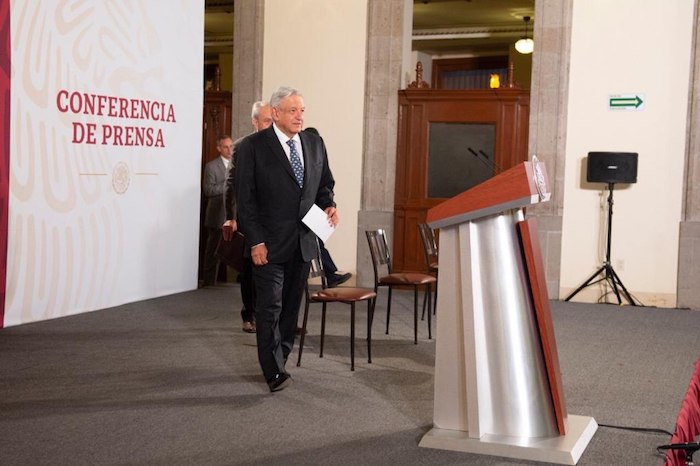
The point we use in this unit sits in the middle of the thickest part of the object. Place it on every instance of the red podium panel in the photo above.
(538, 286)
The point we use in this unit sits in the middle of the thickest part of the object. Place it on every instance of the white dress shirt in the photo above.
(283, 140)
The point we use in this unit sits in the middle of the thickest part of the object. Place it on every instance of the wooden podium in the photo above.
(498, 387)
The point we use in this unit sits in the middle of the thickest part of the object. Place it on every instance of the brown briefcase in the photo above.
(231, 252)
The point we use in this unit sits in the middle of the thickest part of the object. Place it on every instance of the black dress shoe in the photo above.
(337, 279)
(279, 382)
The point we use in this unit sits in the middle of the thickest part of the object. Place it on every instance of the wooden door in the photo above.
(217, 122)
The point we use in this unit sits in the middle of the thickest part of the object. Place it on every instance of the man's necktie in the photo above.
(296, 163)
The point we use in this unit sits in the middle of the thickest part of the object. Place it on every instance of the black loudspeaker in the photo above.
(612, 167)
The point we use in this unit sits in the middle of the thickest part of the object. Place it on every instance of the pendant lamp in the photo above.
(525, 45)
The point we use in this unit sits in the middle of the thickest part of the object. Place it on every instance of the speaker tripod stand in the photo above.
(606, 270)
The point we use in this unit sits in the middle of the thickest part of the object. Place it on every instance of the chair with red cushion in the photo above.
(430, 251)
(385, 276)
(340, 294)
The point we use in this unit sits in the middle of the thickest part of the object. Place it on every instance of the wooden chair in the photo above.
(384, 276)
(340, 294)
(430, 250)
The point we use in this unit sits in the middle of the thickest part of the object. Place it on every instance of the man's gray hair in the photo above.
(256, 109)
(282, 93)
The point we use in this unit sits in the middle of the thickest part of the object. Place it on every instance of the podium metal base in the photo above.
(565, 449)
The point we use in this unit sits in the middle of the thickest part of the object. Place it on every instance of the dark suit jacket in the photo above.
(230, 204)
(270, 202)
(213, 187)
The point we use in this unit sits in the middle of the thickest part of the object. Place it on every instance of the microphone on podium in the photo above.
(497, 168)
(486, 161)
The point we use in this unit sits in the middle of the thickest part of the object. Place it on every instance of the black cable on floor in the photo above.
(645, 429)
(639, 429)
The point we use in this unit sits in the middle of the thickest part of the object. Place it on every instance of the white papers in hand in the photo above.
(317, 220)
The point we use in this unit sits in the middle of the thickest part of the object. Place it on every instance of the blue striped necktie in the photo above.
(296, 163)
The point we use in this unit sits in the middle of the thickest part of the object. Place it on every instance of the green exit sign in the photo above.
(626, 101)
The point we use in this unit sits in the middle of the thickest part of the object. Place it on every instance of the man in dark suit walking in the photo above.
(281, 173)
(213, 186)
(261, 118)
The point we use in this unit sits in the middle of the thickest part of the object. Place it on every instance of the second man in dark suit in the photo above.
(261, 118)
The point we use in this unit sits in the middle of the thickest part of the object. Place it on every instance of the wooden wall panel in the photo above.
(216, 123)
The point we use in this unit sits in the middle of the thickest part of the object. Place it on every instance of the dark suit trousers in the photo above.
(278, 292)
(211, 262)
(328, 265)
(247, 291)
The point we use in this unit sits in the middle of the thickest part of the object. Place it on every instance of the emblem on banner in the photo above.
(120, 178)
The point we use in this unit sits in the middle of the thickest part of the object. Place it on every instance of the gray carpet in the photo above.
(174, 381)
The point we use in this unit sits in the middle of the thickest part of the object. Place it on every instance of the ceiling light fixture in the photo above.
(525, 45)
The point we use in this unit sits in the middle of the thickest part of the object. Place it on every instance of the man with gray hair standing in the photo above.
(261, 118)
(281, 173)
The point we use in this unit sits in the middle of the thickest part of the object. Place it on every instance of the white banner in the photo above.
(106, 112)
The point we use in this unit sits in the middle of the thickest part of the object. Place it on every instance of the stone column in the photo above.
(385, 25)
(548, 111)
(249, 25)
(688, 293)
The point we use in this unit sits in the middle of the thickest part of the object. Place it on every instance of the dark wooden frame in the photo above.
(508, 109)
